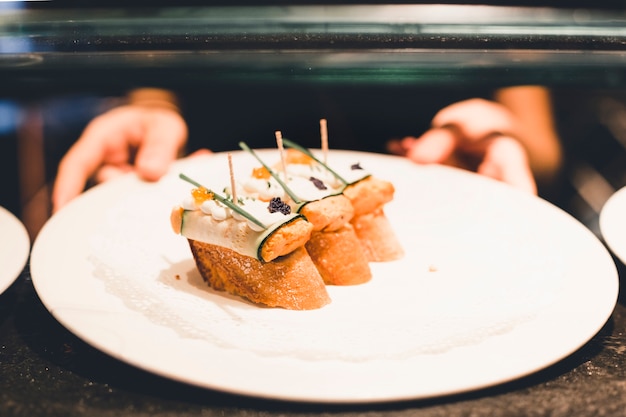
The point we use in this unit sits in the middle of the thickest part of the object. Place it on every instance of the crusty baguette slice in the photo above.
(369, 194)
(338, 256)
(328, 214)
(334, 245)
(377, 237)
(291, 281)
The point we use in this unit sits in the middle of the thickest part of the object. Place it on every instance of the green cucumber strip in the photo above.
(191, 221)
(271, 231)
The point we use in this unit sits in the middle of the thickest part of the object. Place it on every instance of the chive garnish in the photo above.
(291, 194)
(225, 201)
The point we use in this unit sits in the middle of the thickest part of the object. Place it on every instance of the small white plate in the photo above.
(496, 284)
(613, 223)
(14, 248)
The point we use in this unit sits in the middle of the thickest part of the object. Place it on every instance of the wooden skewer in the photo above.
(232, 178)
(324, 135)
(281, 150)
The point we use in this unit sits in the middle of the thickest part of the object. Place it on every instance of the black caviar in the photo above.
(276, 204)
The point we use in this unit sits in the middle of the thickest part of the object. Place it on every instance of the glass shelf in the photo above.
(372, 44)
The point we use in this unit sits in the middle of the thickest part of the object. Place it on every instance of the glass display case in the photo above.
(376, 71)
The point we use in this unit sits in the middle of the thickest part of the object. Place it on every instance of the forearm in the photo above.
(532, 106)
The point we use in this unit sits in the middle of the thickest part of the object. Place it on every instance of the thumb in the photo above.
(434, 147)
(506, 160)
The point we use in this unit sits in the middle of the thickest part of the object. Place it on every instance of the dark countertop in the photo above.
(46, 371)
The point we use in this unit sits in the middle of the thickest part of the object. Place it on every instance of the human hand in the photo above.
(475, 134)
(128, 138)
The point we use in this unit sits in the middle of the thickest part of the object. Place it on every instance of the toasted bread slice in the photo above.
(339, 257)
(328, 214)
(334, 245)
(291, 281)
(377, 237)
(369, 194)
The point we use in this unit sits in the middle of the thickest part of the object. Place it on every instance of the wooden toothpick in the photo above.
(281, 150)
(232, 178)
(324, 135)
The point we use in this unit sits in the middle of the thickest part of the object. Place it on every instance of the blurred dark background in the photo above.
(41, 117)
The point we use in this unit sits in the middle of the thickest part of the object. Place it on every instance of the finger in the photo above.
(506, 160)
(165, 136)
(76, 167)
(436, 146)
(66, 187)
(393, 146)
(400, 146)
(199, 153)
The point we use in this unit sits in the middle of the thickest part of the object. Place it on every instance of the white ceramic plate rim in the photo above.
(14, 248)
(64, 281)
(613, 223)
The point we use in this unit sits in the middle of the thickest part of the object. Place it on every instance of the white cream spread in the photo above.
(352, 173)
(301, 180)
(263, 189)
(220, 212)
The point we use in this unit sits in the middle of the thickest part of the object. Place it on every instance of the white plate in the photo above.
(496, 284)
(14, 248)
(613, 223)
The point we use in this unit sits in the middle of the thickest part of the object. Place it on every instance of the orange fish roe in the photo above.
(294, 156)
(260, 173)
(201, 195)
